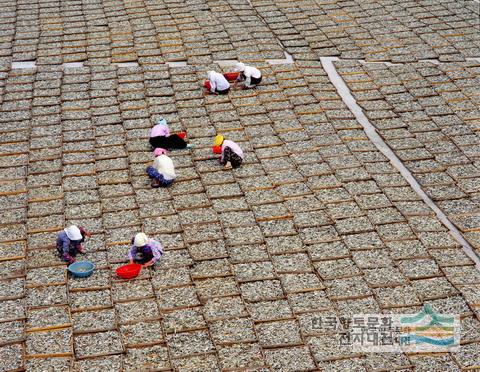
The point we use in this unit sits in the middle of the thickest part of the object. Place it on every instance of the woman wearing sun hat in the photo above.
(231, 152)
(249, 75)
(162, 171)
(69, 242)
(160, 137)
(218, 84)
(144, 251)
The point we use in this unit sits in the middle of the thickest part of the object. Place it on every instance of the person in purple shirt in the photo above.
(144, 251)
(160, 137)
(69, 243)
(231, 152)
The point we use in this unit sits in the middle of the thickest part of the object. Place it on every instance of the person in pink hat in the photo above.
(160, 137)
(162, 171)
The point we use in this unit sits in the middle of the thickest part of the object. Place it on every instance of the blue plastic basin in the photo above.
(81, 269)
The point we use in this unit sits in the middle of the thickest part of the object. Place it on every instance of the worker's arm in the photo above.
(131, 254)
(84, 232)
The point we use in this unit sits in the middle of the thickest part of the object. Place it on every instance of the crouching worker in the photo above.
(69, 243)
(145, 251)
(217, 83)
(160, 137)
(250, 76)
(162, 171)
(231, 152)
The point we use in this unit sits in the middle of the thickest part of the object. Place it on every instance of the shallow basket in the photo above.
(129, 271)
(231, 76)
(81, 269)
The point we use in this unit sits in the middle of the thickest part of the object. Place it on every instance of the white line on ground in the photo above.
(25, 64)
(72, 64)
(364, 62)
(127, 64)
(433, 61)
(288, 59)
(177, 64)
(226, 62)
(344, 92)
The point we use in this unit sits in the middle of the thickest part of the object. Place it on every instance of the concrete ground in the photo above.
(316, 225)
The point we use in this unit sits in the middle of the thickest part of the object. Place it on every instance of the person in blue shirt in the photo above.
(69, 243)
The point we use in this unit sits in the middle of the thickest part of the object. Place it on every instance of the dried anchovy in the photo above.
(142, 333)
(204, 362)
(241, 356)
(137, 310)
(11, 331)
(46, 275)
(47, 296)
(98, 344)
(108, 363)
(188, 343)
(99, 278)
(90, 299)
(49, 364)
(12, 288)
(281, 359)
(10, 251)
(51, 342)
(94, 320)
(12, 309)
(47, 317)
(132, 289)
(147, 358)
(11, 357)
(278, 333)
(183, 320)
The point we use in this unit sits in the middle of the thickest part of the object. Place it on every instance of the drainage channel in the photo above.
(232, 62)
(224, 63)
(349, 100)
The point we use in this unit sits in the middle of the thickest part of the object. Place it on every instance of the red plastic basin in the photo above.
(231, 76)
(182, 135)
(129, 271)
(207, 85)
(217, 149)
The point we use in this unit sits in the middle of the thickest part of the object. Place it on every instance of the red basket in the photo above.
(231, 76)
(207, 85)
(217, 149)
(182, 135)
(129, 271)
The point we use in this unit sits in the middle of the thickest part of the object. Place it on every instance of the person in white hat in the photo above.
(250, 76)
(144, 251)
(218, 83)
(162, 171)
(69, 242)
